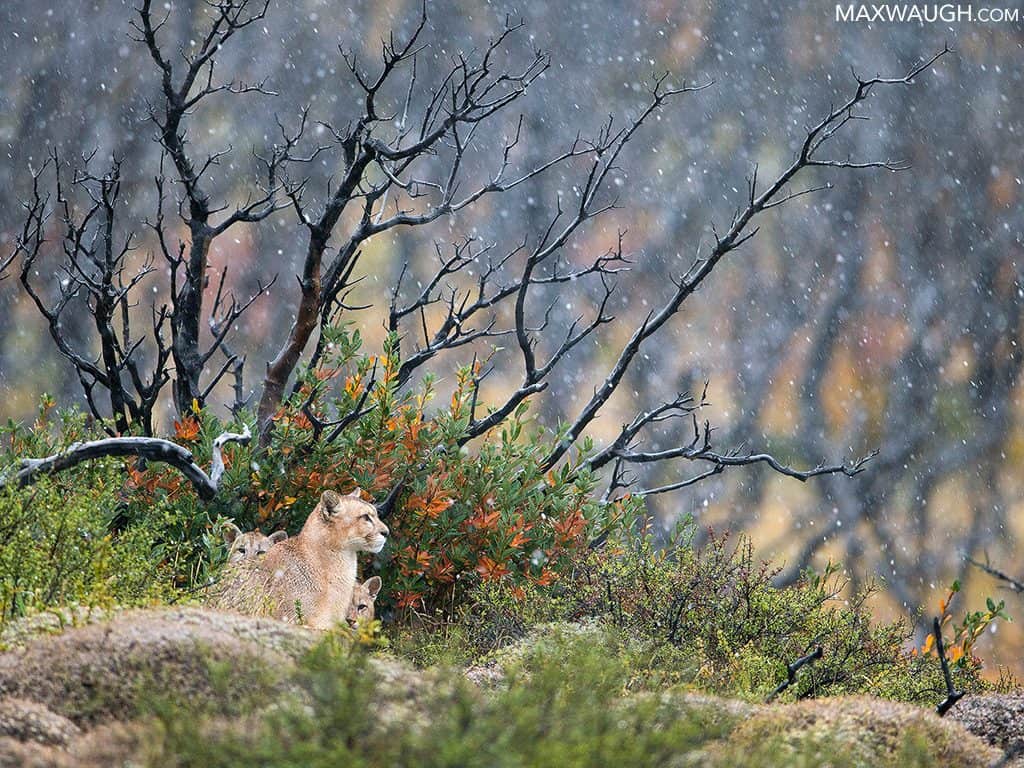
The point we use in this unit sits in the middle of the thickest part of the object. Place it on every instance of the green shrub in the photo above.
(65, 540)
(543, 718)
(710, 618)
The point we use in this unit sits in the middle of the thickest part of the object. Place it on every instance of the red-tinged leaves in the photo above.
(408, 599)
(442, 572)
(491, 570)
(431, 502)
(186, 430)
(569, 528)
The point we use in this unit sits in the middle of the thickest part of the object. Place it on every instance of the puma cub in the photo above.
(363, 598)
(309, 578)
(249, 544)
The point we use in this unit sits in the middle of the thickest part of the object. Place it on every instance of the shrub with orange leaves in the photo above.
(465, 512)
(959, 645)
(186, 430)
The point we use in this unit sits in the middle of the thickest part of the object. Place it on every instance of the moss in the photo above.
(112, 670)
(852, 731)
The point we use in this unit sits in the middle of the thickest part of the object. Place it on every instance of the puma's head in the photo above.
(345, 523)
(249, 544)
(363, 597)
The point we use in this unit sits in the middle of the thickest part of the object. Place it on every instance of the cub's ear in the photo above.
(373, 585)
(329, 504)
(357, 493)
(278, 536)
(231, 532)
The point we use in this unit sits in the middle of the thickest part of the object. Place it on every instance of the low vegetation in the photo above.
(553, 628)
(540, 716)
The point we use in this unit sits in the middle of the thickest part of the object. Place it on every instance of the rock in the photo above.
(18, 754)
(28, 721)
(79, 699)
(996, 718)
(97, 672)
(22, 631)
(490, 670)
(861, 731)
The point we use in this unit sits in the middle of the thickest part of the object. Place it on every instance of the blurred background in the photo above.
(884, 313)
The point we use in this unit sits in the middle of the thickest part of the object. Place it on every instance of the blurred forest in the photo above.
(883, 313)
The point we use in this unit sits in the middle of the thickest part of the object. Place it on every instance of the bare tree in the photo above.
(189, 260)
(402, 163)
(95, 270)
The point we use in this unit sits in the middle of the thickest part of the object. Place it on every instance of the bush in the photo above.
(66, 541)
(544, 718)
(485, 545)
(461, 518)
(710, 618)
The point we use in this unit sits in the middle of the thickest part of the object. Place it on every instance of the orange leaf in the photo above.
(187, 429)
(571, 527)
(928, 644)
(490, 570)
(442, 571)
(408, 599)
(546, 578)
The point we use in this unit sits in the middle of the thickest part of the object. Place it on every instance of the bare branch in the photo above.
(149, 448)
(95, 271)
(1015, 584)
(952, 694)
(793, 668)
(737, 234)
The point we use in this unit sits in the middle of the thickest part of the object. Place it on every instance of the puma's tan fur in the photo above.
(363, 598)
(249, 544)
(309, 578)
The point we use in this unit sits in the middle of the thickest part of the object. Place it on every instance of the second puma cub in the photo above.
(363, 598)
(310, 578)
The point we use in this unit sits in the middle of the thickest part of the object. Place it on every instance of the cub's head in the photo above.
(250, 544)
(363, 597)
(341, 523)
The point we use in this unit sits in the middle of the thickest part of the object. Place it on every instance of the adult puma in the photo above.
(309, 578)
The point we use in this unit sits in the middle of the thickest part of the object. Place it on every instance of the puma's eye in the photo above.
(362, 607)
(241, 550)
(366, 518)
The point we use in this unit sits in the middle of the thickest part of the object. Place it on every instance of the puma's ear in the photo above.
(330, 502)
(373, 585)
(231, 532)
(357, 493)
(278, 536)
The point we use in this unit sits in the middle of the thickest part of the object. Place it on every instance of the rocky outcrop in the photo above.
(996, 718)
(72, 699)
(79, 699)
(25, 720)
(98, 672)
(861, 731)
